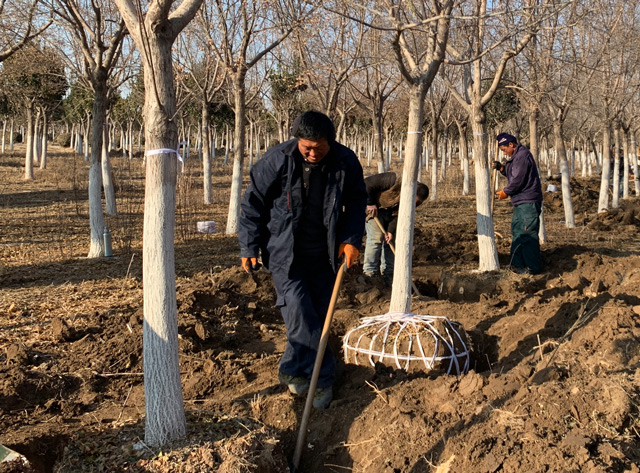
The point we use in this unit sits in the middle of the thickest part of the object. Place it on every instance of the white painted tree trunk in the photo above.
(28, 161)
(206, 155)
(238, 158)
(603, 199)
(165, 417)
(625, 164)
(487, 249)
(96, 214)
(433, 192)
(87, 140)
(11, 136)
(34, 140)
(43, 146)
(533, 137)
(402, 274)
(615, 200)
(130, 141)
(107, 181)
(564, 170)
(163, 391)
(464, 156)
(634, 163)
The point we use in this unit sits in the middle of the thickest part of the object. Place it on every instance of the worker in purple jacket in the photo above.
(523, 186)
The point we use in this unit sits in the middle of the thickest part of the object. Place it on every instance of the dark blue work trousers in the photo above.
(525, 245)
(303, 297)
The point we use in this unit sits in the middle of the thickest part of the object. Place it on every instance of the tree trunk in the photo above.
(165, 417)
(488, 252)
(43, 146)
(96, 215)
(615, 200)
(130, 142)
(625, 164)
(464, 156)
(378, 138)
(534, 117)
(433, 192)
(11, 136)
(401, 292)
(4, 133)
(603, 199)
(238, 154)
(561, 152)
(28, 161)
(107, 181)
(86, 140)
(34, 139)
(206, 155)
(634, 163)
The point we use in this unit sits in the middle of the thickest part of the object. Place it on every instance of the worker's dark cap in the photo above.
(505, 139)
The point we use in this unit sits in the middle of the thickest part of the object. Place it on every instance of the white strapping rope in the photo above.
(450, 347)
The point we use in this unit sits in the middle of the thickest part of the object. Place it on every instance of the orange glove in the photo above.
(250, 264)
(350, 253)
(501, 195)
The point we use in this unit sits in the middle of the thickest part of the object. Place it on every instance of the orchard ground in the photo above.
(554, 384)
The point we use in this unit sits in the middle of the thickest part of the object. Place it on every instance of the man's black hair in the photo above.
(422, 191)
(313, 125)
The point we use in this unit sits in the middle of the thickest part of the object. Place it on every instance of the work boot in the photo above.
(297, 386)
(322, 398)
(387, 279)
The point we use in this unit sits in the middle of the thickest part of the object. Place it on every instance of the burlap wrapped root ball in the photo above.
(410, 342)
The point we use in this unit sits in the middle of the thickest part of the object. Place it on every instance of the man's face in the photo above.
(313, 151)
(508, 149)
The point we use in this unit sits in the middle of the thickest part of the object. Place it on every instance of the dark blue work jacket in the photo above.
(272, 206)
(523, 181)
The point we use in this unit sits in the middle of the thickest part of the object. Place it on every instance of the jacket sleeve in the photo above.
(255, 208)
(377, 184)
(354, 203)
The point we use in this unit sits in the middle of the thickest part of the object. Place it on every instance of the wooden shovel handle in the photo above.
(324, 338)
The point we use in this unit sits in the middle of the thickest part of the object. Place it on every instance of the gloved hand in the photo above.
(497, 165)
(250, 264)
(501, 195)
(350, 253)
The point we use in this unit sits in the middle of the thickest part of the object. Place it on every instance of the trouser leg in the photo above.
(525, 245)
(387, 258)
(373, 248)
(303, 298)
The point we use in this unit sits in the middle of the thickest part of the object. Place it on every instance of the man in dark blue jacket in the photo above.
(304, 209)
(523, 186)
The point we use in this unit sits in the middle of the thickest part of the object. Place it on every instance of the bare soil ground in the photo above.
(554, 383)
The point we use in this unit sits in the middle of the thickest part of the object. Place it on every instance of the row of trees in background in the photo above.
(417, 77)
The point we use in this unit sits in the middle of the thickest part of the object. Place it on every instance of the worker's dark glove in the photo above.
(250, 264)
(497, 165)
(350, 253)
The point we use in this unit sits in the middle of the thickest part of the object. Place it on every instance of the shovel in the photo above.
(324, 338)
(393, 250)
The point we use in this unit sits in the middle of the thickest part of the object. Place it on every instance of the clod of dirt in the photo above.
(17, 354)
(61, 331)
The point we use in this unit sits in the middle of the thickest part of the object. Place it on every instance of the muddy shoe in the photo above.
(323, 398)
(297, 386)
